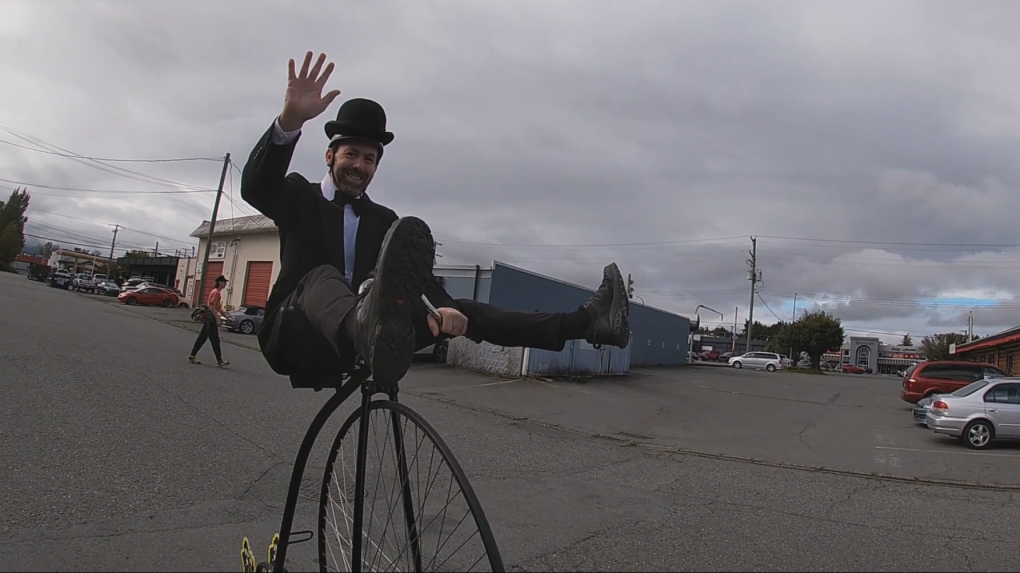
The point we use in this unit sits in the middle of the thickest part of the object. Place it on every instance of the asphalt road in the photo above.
(119, 455)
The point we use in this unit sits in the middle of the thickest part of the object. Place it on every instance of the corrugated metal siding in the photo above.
(578, 359)
(659, 338)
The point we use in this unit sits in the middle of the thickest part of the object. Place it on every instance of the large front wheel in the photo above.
(419, 511)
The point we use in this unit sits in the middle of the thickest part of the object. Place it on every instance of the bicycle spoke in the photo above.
(407, 522)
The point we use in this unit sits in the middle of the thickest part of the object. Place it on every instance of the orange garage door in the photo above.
(257, 283)
(212, 270)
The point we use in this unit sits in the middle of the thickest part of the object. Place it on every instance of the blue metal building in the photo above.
(658, 338)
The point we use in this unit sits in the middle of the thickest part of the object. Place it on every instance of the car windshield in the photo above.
(970, 388)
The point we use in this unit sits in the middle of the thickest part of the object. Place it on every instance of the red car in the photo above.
(853, 369)
(150, 295)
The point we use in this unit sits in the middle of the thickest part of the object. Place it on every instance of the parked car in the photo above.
(246, 319)
(61, 279)
(768, 360)
(853, 369)
(979, 413)
(108, 288)
(149, 296)
(83, 282)
(37, 272)
(943, 377)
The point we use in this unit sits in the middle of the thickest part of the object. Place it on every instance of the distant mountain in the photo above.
(33, 246)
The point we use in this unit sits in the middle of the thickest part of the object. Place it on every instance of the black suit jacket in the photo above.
(311, 227)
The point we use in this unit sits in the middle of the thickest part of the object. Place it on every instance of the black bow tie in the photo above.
(356, 203)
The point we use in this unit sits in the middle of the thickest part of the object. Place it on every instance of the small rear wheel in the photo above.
(168, 303)
(132, 300)
(419, 511)
(770, 367)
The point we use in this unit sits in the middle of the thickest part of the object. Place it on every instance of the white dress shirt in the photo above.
(328, 188)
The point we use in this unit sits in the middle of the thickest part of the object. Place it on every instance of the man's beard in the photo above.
(347, 187)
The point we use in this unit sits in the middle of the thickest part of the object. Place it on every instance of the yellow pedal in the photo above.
(273, 546)
(247, 557)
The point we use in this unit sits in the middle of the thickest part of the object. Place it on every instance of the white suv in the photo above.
(768, 360)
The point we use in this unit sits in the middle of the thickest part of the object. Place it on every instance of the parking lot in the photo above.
(122, 455)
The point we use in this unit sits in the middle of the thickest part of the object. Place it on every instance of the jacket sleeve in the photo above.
(264, 181)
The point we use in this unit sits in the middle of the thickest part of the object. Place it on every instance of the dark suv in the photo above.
(943, 377)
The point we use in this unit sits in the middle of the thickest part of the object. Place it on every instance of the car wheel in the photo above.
(168, 303)
(247, 327)
(737, 364)
(978, 435)
(770, 367)
(132, 300)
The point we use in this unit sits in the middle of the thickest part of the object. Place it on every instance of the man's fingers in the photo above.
(318, 66)
(290, 70)
(433, 326)
(321, 82)
(304, 66)
(331, 96)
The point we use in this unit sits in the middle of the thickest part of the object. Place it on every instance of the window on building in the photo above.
(1009, 363)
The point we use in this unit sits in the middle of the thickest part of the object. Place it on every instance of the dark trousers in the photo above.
(211, 332)
(304, 337)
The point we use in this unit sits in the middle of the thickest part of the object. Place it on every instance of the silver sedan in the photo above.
(979, 413)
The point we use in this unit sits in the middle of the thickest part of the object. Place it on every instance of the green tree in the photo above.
(936, 346)
(12, 226)
(815, 333)
(907, 341)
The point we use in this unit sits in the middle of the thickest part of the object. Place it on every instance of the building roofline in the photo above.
(250, 225)
(589, 289)
(979, 343)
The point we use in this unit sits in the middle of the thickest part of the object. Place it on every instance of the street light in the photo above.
(700, 306)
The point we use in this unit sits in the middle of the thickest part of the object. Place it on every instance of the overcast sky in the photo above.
(869, 145)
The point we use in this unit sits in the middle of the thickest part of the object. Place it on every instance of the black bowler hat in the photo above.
(360, 119)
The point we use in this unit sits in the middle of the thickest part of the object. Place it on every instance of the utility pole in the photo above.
(794, 320)
(212, 222)
(753, 277)
(736, 311)
(155, 252)
(114, 243)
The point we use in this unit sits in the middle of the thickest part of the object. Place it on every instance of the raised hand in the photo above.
(304, 100)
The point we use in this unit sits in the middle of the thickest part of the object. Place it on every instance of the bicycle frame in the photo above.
(328, 409)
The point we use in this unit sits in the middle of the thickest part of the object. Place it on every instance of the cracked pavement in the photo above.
(119, 455)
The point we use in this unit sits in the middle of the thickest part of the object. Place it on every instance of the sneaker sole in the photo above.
(403, 273)
(619, 309)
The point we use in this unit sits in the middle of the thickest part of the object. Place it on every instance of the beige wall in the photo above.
(239, 249)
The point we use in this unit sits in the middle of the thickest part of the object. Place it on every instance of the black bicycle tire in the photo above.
(481, 521)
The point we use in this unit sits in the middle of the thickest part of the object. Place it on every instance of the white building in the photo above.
(246, 250)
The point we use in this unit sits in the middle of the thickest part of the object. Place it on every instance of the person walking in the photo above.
(211, 324)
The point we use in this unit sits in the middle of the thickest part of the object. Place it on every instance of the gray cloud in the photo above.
(524, 123)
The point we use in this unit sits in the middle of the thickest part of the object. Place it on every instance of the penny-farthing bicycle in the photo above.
(393, 496)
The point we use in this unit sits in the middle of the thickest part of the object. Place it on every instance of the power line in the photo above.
(111, 159)
(96, 164)
(585, 246)
(31, 209)
(847, 241)
(41, 186)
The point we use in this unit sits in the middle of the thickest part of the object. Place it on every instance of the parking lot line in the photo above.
(989, 454)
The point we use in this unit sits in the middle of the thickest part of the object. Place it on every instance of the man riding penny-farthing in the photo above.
(356, 281)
